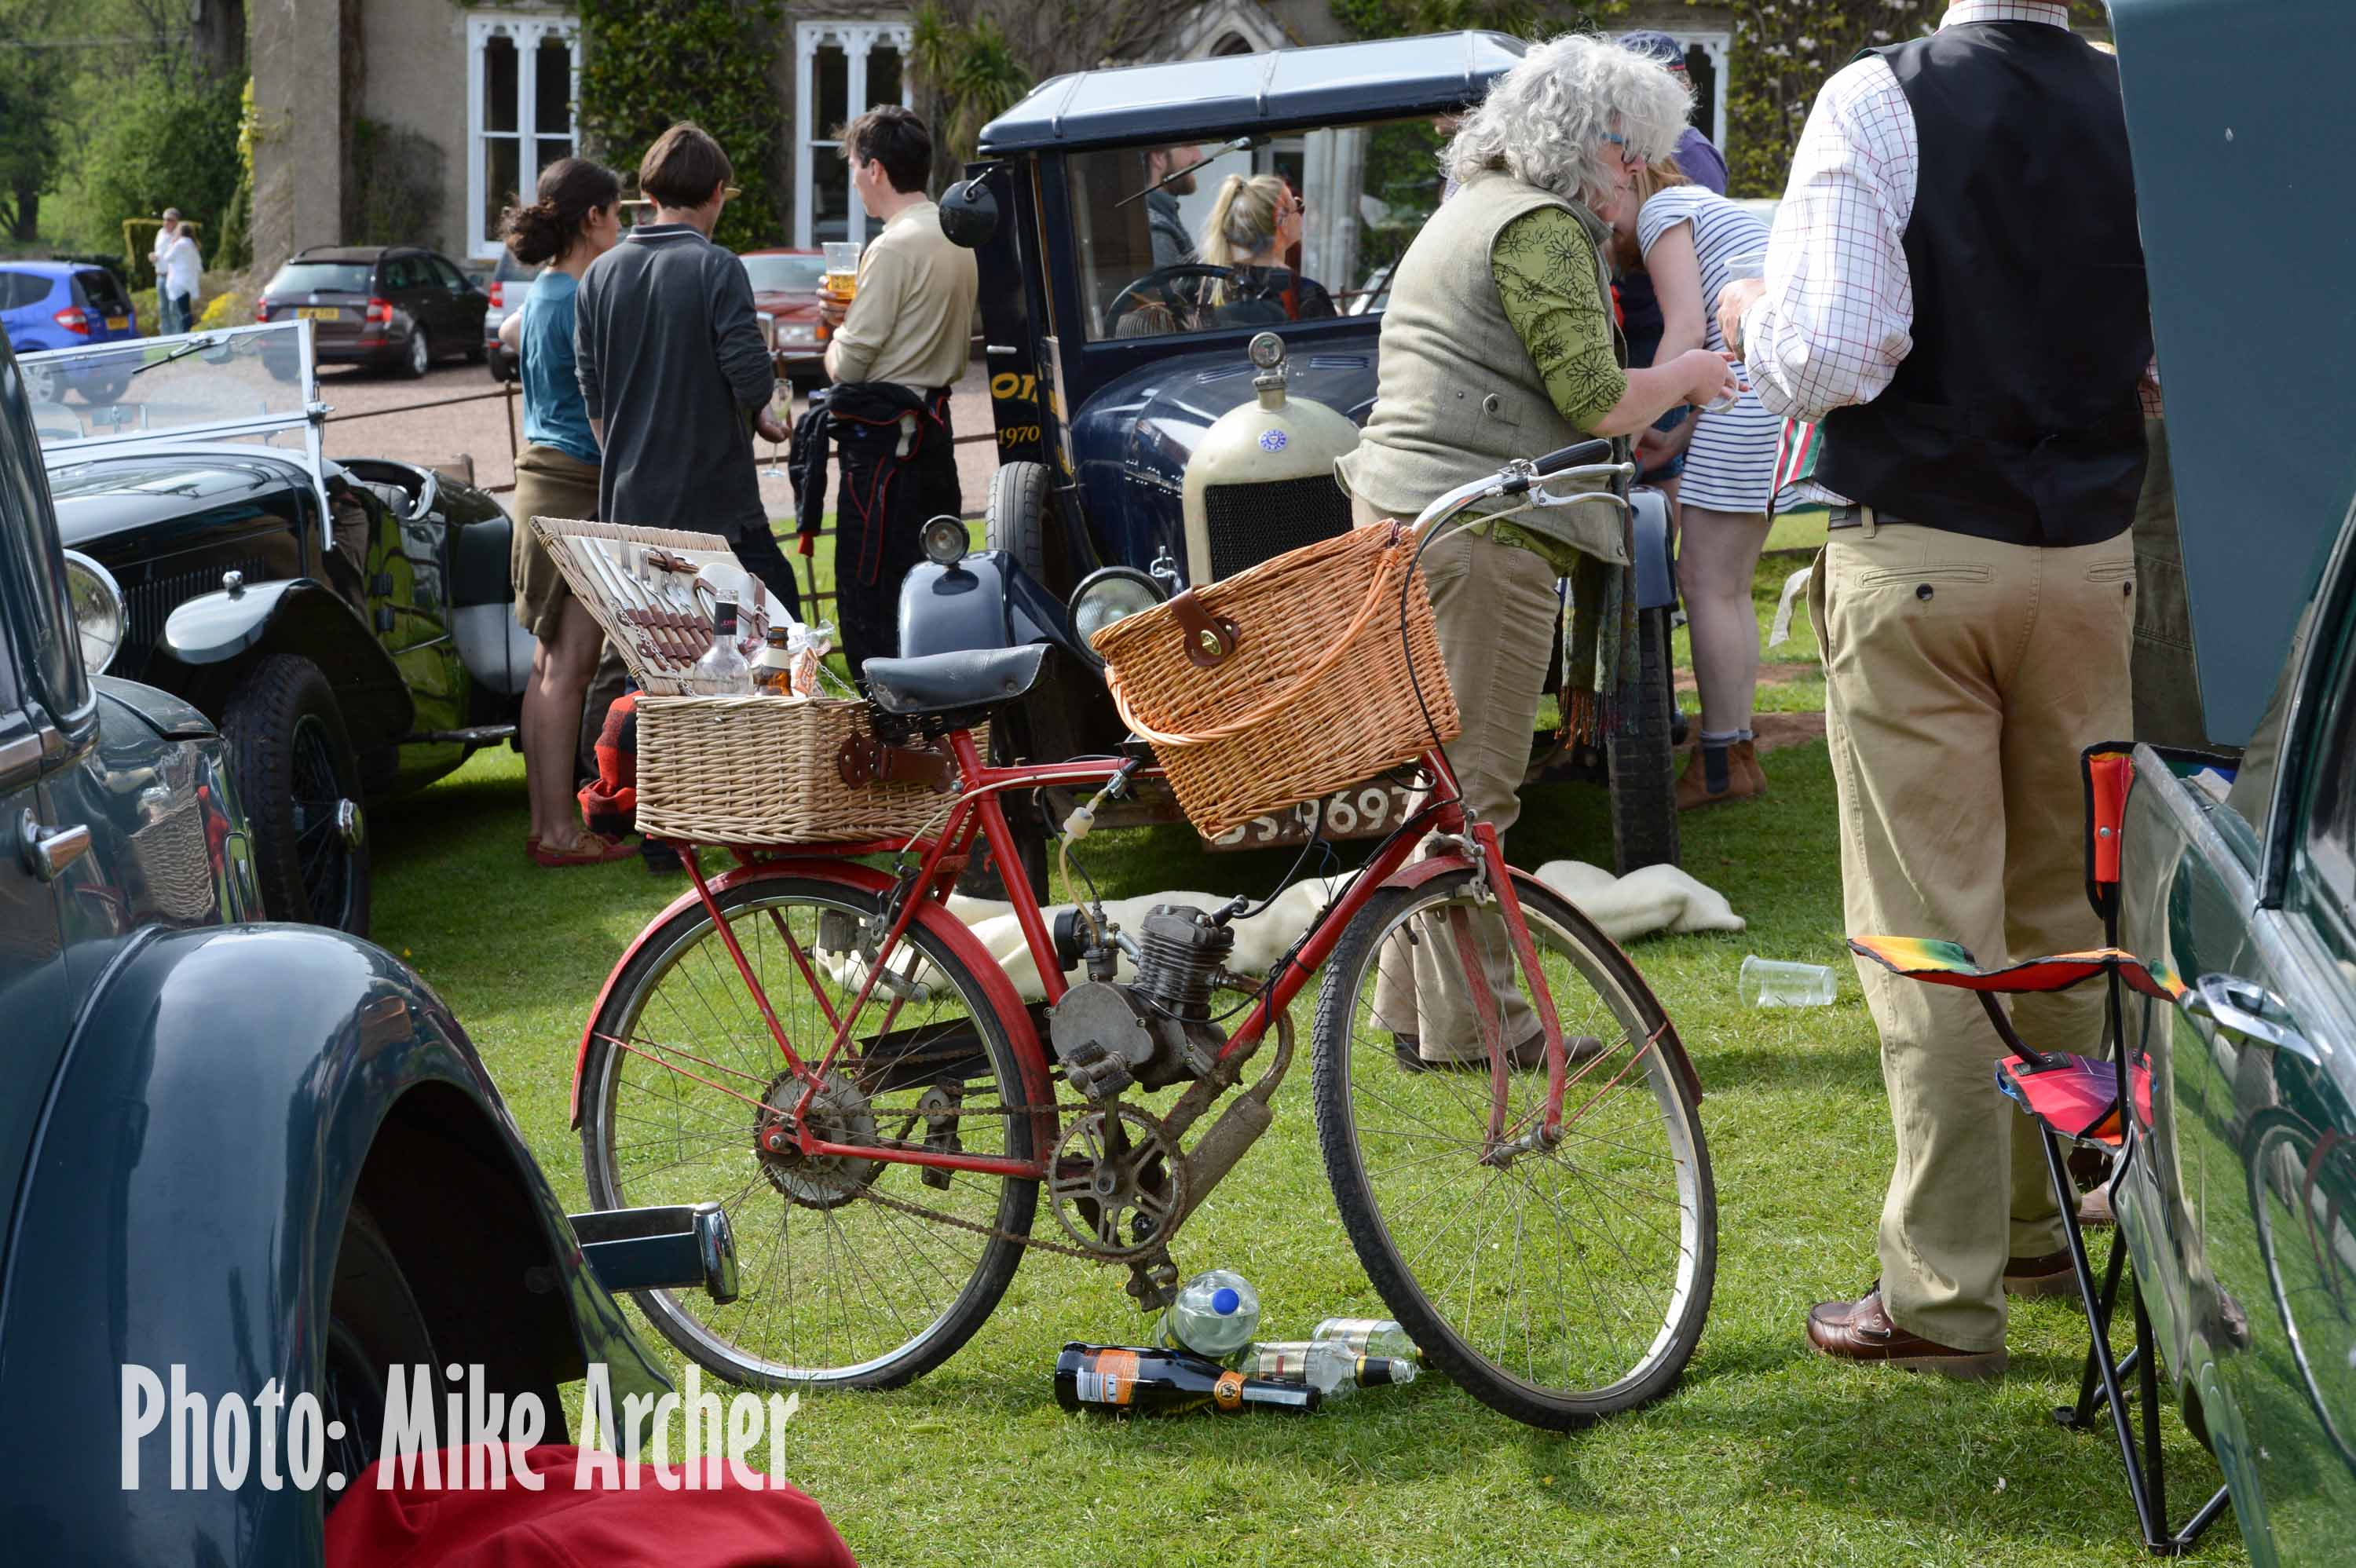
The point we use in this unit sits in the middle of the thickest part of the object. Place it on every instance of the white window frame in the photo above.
(856, 39)
(528, 32)
(1716, 46)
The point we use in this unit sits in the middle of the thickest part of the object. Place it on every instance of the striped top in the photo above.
(1732, 461)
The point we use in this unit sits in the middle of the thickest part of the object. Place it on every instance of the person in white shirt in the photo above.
(178, 268)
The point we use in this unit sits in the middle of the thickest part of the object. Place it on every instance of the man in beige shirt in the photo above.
(892, 357)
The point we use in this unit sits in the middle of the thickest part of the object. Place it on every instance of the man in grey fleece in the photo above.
(674, 369)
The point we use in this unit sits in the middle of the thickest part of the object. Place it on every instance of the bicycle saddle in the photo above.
(946, 683)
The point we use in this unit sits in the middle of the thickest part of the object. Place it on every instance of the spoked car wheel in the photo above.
(1555, 1284)
(299, 782)
(854, 1273)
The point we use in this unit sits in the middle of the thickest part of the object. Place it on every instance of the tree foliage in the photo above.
(164, 140)
(968, 74)
(647, 64)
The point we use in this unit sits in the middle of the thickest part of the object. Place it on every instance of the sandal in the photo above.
(595, 851)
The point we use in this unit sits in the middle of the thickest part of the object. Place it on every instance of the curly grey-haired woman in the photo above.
(1498, 343)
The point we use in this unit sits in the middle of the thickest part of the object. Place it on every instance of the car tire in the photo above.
(1021, 521)
(41, 383)
(1644, 784)
(374, 1324)
(502, 368)
(418, 358)
(294, 771)
(104, 394)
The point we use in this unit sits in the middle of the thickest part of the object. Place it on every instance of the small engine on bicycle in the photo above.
(1154, 1030)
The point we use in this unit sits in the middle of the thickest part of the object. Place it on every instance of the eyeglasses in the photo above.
(1626, 157)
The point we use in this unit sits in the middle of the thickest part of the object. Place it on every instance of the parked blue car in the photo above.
(246, 1158)
(67, 305)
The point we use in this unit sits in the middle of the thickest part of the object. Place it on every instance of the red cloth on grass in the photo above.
(598, 1527)
(609, 803)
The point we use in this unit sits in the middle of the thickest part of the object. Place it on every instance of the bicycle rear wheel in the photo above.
(1563, 1285)
(844, 1281)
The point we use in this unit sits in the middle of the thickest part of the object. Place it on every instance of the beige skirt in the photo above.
(550, 483)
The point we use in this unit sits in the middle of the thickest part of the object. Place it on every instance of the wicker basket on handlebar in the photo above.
(1287, 681)
(723, 769)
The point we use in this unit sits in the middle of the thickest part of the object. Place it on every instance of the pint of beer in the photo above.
(843, 270)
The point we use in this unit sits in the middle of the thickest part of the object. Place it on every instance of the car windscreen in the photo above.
(1364, 192)
(239, 384)
(784, 275)
(321, 277)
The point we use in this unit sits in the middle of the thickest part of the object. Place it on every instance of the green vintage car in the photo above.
(2242, 876)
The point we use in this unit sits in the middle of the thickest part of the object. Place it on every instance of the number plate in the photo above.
(318, 313)
(118, 324)
(1364, 811)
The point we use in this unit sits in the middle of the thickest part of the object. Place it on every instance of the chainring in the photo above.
(1116, 1182)
(839, 1114)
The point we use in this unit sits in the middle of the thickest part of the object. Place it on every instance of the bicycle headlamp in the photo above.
(943, 540)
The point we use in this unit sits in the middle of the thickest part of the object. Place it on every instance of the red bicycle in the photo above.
(827, 1044)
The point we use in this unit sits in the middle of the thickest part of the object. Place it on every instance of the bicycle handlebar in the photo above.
(1553, 463)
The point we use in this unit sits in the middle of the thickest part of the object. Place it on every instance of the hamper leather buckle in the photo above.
(1208, 639)
(862, 760)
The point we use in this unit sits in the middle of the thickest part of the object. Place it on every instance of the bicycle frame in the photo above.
(978, 814)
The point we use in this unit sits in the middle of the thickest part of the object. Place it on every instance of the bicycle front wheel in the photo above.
(1555, 1284)
(854, 1273)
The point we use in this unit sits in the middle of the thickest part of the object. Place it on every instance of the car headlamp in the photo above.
(943, 540)
(96, 601)
(1111, 595)
(796, 334)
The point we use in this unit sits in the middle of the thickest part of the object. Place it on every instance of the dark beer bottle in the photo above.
(1114, 1380)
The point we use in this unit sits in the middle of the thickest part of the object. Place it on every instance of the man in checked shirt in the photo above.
(1954, 289)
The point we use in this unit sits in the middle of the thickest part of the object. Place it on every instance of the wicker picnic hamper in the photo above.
(1313, 695)
(716, 769)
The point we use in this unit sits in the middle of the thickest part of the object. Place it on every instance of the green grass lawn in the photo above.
(1766, 1454)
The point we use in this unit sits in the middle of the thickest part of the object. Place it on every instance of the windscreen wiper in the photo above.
(193, 345)
(1240, 144)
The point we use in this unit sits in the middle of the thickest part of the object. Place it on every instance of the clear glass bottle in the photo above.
(721, 671)
(1215, 1315)
(773, 669)
(1368, 1336)
(1330, 1367)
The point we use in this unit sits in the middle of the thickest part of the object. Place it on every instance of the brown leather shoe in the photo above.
(2046, 1274)
(2095, 1212)
(1693, 785)
(1742, 757)
(1861, 1332)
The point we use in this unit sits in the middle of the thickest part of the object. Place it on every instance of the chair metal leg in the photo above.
(2139, 1453)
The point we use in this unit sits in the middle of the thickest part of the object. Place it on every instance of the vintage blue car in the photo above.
(234, 1155)
(346, 622)
(1141, 450)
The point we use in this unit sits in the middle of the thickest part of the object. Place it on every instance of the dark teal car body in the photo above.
(2243, 1220)
(255, 1153)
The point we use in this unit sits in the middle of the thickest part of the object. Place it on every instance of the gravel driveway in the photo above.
(487, 429)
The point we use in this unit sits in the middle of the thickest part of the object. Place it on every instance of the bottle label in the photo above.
(1110, 1378)
(1229, 1391)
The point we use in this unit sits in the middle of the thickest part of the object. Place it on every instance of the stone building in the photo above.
(473, 102)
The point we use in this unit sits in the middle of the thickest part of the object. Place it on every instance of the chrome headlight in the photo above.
(1111, 595)
(943, 540)
(97, 603)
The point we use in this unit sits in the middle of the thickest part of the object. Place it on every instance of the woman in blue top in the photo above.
(575, 220)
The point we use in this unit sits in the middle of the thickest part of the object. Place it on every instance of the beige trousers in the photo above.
(1963, 678)
(1498, 617)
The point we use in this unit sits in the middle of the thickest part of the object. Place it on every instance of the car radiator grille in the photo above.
(149, 602)
(1251, 523)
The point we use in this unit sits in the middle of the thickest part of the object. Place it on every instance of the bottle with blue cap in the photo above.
(1215, 1315)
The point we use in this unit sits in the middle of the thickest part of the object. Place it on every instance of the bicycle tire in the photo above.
(763, 1210)
(1635, 1018)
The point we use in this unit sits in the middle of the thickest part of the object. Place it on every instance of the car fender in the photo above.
(1648, 518)
(953, 933)
(199, 1149)
(1417, 872)
(299, 616)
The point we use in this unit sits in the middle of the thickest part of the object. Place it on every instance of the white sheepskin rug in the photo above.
(1658, 897)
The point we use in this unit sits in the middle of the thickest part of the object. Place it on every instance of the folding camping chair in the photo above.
(2084, 1103)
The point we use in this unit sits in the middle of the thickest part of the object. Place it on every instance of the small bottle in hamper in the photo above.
(773, 670)
(1334, 1370)
(721, 671)
(1368, 1336)
(1115, 1380)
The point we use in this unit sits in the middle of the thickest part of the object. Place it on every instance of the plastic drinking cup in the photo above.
(843, 267)
(1771, 982)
